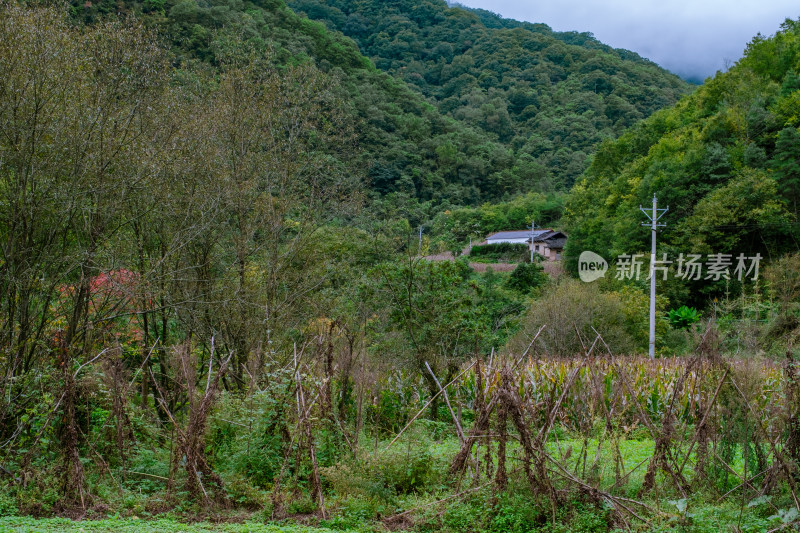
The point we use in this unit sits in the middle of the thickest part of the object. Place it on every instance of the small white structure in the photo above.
(521, 237)
(545, 242)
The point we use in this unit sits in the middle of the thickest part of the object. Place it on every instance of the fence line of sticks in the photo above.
(709, 420)
(714, 413)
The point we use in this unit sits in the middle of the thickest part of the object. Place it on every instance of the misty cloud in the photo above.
(691, 38)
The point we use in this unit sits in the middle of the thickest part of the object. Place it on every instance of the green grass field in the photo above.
(353, 505)
(57, 525)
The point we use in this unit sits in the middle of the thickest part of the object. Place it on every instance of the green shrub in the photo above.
(405, 471)
(683, 317)
(572, 311)
(355, 480)
(256, 451)
(302, 505)
(357, 511)
(40, 495)
(381, 476)
(677, 342)
(8, 505)
(148, 463)
(242, 492)
(503, 251)
(462, 516)
(526, 277)
(389, 413)
(588, 518)
(516, 513)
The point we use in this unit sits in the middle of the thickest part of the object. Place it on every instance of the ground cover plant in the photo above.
(509, 252)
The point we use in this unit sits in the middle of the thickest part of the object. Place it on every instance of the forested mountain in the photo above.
(726, 160)
(406, 146)
(500, 107)
(551, 97)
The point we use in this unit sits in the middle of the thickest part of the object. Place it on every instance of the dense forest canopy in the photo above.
(550, 97)
(455, 123)
(407, 150)
(724, 159)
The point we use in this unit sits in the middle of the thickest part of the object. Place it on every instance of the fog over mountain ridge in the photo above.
(691, 39)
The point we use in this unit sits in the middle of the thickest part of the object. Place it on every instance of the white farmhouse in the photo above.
(521, 237)
(545, 242)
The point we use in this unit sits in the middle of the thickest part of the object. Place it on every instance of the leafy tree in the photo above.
(786, 163)
(715, 159)
(78, 110)
(432, 312)
(152, 216)
(734, 218)
(526, 277)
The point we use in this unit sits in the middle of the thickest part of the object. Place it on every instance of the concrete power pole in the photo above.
(532, 225)
(654, 217)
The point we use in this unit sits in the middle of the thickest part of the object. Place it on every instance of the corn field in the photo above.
(559, 425)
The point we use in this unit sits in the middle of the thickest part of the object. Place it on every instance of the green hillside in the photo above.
(406, 146)
(474, 108)
(726, 160)
(551, 97)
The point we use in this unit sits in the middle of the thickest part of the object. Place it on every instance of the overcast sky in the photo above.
(692, 38)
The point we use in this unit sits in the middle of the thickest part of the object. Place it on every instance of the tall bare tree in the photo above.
(75, 116)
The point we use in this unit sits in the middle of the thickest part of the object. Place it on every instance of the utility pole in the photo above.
(654, 224)
(532, 225)
(419, 246)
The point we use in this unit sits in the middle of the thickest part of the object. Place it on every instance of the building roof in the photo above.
(556, 243)
(521, 234)
(550, 237)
